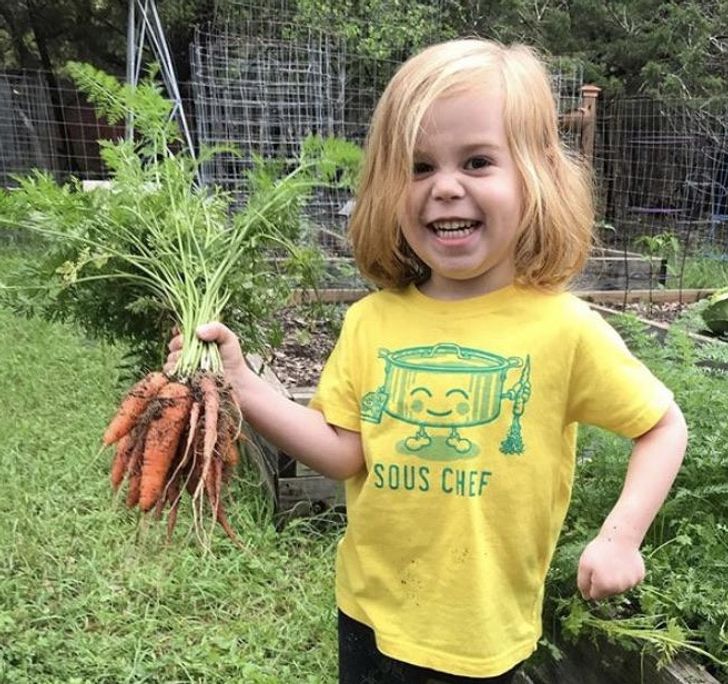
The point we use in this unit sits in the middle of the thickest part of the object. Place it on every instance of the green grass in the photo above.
(706, 270)
(89, 595)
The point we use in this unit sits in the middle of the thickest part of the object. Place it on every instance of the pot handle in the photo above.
(449, 348)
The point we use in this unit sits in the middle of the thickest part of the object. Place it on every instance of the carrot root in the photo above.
(133, 405)
(124, 447)
(171, 437)
(160, 445)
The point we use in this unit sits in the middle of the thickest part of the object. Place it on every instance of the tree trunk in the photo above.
(22, 54)
(37, 26)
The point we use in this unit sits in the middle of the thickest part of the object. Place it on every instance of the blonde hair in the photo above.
(555, 234)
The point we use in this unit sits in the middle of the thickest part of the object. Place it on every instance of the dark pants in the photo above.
(361, 663)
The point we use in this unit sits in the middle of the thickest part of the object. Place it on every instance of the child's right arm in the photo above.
(300, 432)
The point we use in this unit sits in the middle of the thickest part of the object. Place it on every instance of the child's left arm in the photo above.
(611, 563)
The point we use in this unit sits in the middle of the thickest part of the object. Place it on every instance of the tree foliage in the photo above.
(627, 46)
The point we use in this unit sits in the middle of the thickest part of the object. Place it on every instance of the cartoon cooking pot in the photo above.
(447, 386)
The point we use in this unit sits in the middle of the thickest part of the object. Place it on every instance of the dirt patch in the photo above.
(664, 312)
(308, 338)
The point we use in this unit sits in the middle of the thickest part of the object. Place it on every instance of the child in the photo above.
(450, 402)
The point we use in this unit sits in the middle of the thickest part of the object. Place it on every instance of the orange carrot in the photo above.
(231, 456)
(124, 447)
(225, 524)
(133, 405)
(193, 475)
(213, 486)
(211, 403)
(134, 469)
(188, 439)
(162, 439)
(132, 495)
(172, 479)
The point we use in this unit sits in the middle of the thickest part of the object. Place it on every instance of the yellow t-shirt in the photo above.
(467, 412)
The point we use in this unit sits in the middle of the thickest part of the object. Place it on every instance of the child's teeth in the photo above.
(452, 225)
(453, 229)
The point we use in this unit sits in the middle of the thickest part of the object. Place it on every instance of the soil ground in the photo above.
(307, 342)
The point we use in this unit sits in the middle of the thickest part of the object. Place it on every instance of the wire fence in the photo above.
(264, 94)
(47, 123)
(265, 85)
(661, 166)
(662, 187)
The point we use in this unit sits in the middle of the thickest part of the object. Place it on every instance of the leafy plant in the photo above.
(707, 268)
(156, 248)
(715, 314)
(662, 246)
(407, 24)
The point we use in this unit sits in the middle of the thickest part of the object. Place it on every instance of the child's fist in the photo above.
(609, 566)
(230, 352)
(175, 349)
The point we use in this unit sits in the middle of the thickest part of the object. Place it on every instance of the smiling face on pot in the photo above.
(451, 405)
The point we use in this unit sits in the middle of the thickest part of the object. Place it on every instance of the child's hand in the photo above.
(609, 566)
(232, 356)
(230, 352)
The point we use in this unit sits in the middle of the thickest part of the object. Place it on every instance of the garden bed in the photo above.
(309, 335)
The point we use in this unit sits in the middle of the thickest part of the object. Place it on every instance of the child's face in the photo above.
(464, 202)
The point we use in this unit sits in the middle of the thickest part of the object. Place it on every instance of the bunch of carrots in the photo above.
(181, 251)
(171, 436)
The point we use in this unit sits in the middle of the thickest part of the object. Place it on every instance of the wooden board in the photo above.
(607, 663)
(631, 296)
(308, 495)
(295, 489)
(336, 296)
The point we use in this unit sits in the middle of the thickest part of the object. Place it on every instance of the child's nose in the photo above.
(447, 186)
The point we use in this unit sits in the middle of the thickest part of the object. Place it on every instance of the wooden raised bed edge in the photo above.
(296, 491)
(599, 661)
(657, 296)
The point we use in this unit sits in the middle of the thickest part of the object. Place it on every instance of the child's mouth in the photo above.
(453, 230)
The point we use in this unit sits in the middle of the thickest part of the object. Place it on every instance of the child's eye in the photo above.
(476, 163)
(419, 168)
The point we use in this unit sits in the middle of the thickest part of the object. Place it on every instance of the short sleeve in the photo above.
(610, 387)
(335, 395)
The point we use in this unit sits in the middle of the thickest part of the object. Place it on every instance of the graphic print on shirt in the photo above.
(444, 389)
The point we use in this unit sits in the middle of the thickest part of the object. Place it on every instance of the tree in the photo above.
(626, 46)
(48, 33)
